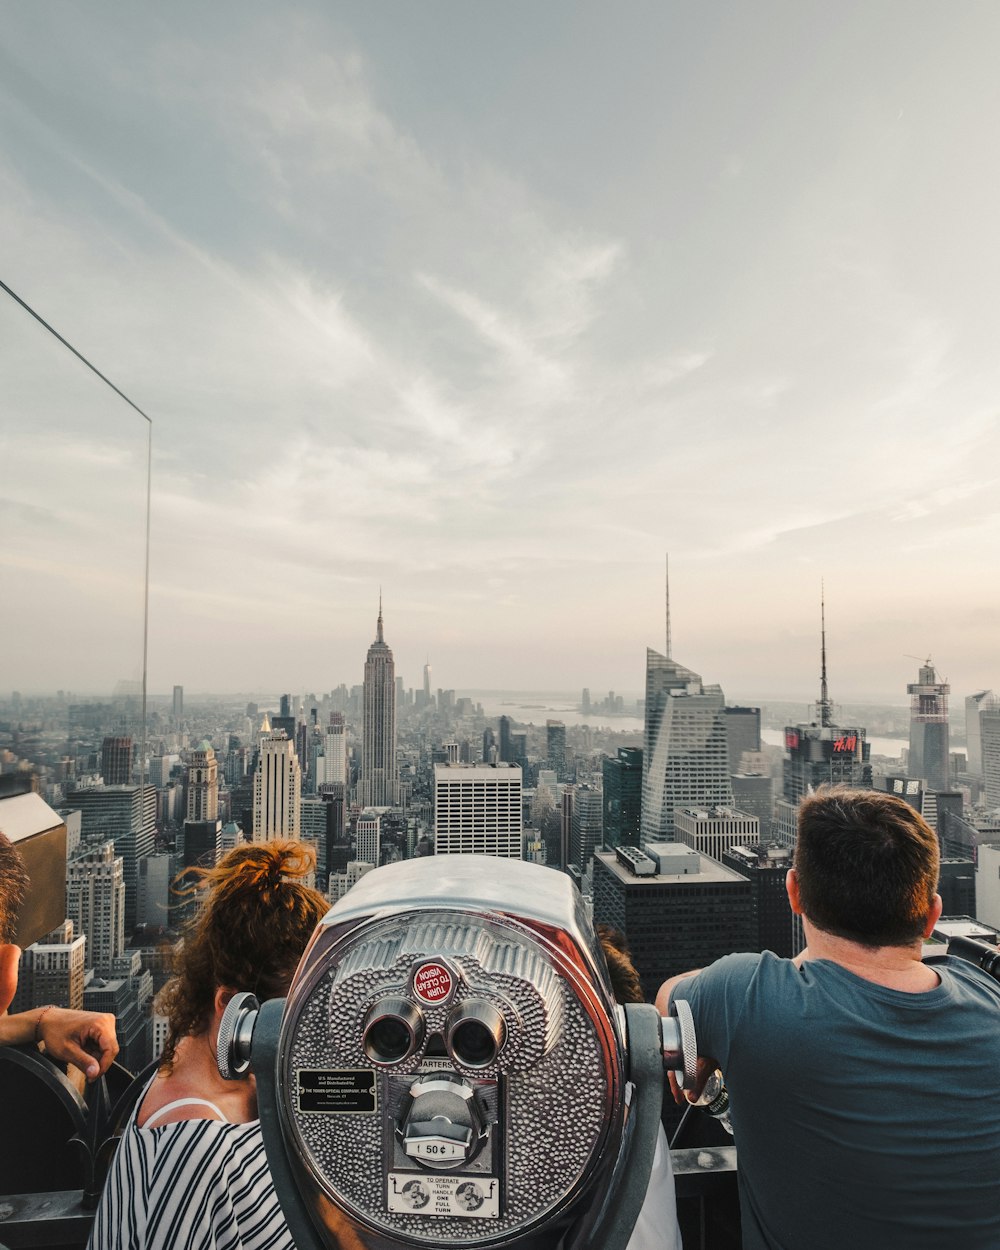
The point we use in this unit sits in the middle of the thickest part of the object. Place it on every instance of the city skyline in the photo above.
(493, 308)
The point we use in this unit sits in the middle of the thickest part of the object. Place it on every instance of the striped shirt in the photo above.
(190, 1185)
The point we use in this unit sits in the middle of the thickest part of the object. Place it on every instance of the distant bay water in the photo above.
(535, 707)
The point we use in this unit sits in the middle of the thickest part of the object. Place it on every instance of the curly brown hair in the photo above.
(625, 983)
(13, 884)
(256, 919)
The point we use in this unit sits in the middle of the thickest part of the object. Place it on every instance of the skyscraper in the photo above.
(158, 906)
(588, 820)
(714, 830)
(127, 815)
(678, 909)
(52, 970)
(820, 753)
(116, 761)
(477, 810)
(989, 723)
(685, 757)
(178, 704)
(973, 736)
(742, 733)
(766, 867)
(95, 902)
(202, 785)
(555, 741)
(379, 782)
(277, 789)
(622, 797)
(286, 719)
(928, 758)
(332, 764)
(369, 837)
(506, 725)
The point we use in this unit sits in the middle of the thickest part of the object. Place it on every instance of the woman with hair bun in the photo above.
(190, 1171)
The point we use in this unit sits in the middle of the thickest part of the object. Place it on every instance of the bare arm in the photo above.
(706, 1065)
(667, 988)
(85, 1039)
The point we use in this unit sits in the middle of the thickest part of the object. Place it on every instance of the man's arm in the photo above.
(706, 1065)
(667, 989)
(85, 1039)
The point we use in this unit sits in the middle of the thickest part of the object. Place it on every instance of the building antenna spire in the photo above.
(825, 717)
(378, 636)
(666, 571)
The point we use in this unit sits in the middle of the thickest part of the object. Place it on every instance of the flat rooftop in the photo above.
(710, 872)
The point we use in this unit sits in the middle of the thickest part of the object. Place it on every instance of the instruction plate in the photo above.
(471, 1197)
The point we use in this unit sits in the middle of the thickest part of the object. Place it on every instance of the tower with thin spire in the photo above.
(823, 708)
(378, 785)
(820, 752)
(685, 757)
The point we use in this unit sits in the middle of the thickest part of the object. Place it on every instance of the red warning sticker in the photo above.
(432, 983)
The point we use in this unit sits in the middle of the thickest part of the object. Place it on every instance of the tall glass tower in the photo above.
(379, 782)
(685, 756)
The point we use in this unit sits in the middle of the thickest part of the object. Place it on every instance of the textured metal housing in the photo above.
(560, 1069)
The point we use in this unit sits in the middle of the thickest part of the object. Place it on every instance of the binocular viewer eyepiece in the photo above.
(395, 1028)
(450, 1067)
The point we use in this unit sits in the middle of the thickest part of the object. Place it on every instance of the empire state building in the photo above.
(379, 782)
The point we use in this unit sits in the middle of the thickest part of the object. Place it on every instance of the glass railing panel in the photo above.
(73, 491)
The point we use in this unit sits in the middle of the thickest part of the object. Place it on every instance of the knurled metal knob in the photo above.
(232, 1049)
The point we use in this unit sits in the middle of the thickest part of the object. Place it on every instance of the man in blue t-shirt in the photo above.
(864, 1083)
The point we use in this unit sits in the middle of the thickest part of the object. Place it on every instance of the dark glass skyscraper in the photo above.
(116, 761)
(506, 754)
(742, 733)
(555, 742)
(622, 797)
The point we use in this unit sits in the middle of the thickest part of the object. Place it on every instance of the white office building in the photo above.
(95, 902)
(369, 836)
(715, 831)
(477, 809)
(277, 789)
(331, 766)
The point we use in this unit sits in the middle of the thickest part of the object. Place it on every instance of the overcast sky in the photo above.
(491, 306)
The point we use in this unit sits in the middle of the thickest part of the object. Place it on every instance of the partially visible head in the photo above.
(257, 917)
(625, 983)
(13, 884)
(867, 866)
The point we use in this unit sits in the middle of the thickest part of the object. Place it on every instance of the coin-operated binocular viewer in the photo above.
(450, 1068)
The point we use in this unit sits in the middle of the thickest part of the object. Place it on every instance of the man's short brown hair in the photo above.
(867, 866)
(13, 883)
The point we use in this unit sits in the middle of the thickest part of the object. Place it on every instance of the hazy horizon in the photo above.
(267, 698)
